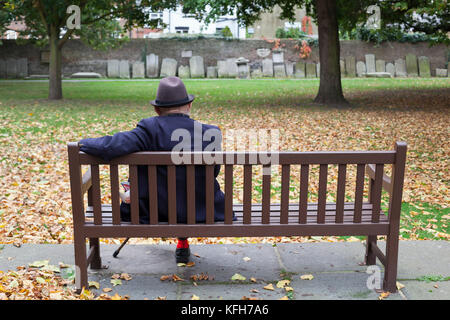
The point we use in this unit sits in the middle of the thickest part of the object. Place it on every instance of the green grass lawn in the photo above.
(34, 133)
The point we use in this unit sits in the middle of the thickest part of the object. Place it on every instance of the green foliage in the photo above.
(294, 33)
(226, 32)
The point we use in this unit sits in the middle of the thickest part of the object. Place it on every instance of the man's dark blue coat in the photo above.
(154, 134)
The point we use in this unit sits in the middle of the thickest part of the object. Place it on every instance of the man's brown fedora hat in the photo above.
(171, 93)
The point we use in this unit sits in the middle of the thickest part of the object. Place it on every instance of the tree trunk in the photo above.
(55, 83)
(330, 89)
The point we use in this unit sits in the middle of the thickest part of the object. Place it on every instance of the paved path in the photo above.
(336, 267)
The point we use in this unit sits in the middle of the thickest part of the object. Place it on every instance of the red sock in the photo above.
(183, 243)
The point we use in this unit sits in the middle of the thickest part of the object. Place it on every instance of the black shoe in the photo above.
(182, 255)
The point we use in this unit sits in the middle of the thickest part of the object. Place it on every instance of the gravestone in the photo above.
(184, 72)
(263, 52)
(211, 72)
(222, 71)
(311, 70)
(380, 66)
(22, 68)
(256, 73)
(11, 68)
(277, 56)
(86, 75)
(360, 69)
(424, 67)
(400, 68)
(124, 69)
(232, 69)
(2, 69)
(290, 69)
(152, 66)
(197, 67)
(138, 70)
(342, 67)
(186, 53)
(267, 67)
(411, 65)
(350, 66)
(318, 69)
(279, 70)
(300, 69)
(243, 68)
(112, 69)
(370, 63)
(441, 72)
(391, 69)
(168, 68)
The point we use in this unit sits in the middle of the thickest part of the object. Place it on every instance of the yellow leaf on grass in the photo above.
(238, 276)
(283, 283)
(116, 282)
(107, 289)
(269, 287)
(289, 289)
(194, 297)
(307, 277)
(284, 298)
(384, 295)
(399, 285)
(94, 284)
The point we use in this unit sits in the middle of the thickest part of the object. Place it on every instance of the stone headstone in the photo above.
(243, 68)
(278, 56)
(86, 75)
(184, 72)
(138, 70)
(197, 67)
(400, 68)
(232, 69)
(267, 67)
(186, 53)
(2, 69)
(279, 70)
(152, 66)
(360, 69)
(168, 68)
(370, 63)
(424, 67)
(318, 69)
(411, 65)
(289, 69)
(263, 52)
(441, 72)
(124, 69)
(256, 73)
(378, 75)
(11, 68)
(22, 68)
(350, 66)
(342, 67)
(112, 69)
(300, 71)
(311, 70)
(222, 71)
(211, 72)
(380, 66)
(391, 69)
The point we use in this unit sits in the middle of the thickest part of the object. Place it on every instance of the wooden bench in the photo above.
(357, 218)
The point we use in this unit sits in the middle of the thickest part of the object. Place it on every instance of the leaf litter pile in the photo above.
(35, 204)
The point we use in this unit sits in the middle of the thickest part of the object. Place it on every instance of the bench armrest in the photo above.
(387, 183)
(86, 181)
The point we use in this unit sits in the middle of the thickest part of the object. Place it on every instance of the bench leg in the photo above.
(96, 262)
(81, 278)
(370, 258)
(390, 269)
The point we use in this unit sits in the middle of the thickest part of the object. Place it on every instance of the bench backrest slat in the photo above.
(285, 177)
(375, 192)
(265, 219)
(115, 200)
(323, 174)
(153, 194)
(134, 194)
(172, 194)
(228, 194)
(209, 194)
(190, 194)
(96, 200)
(247, 199)
(340, 194)
(303, 202)
(359, 189)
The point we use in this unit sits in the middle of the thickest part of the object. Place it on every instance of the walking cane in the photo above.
(120, 248)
